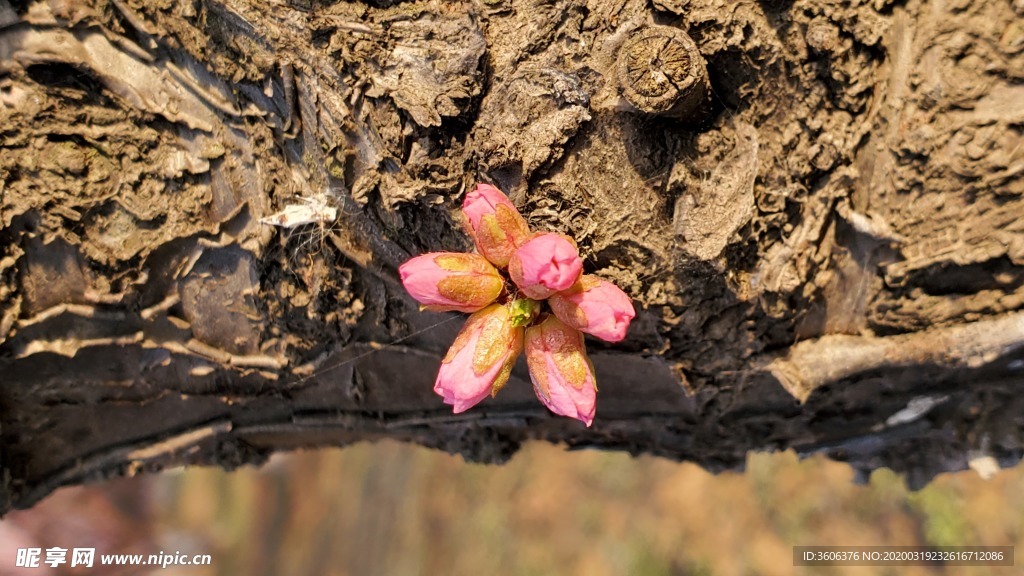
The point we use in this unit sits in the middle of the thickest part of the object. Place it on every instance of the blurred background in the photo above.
(396, 509)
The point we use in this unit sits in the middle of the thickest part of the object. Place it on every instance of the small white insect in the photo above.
(315, 210)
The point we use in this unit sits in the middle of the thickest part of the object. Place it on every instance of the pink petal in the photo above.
(545, 264)
(458, 382)
(596, 307)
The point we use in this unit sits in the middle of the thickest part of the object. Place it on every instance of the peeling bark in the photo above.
(204, 204)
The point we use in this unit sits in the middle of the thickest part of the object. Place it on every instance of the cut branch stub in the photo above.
(662, 72)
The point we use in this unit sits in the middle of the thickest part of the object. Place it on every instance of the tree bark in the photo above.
(204, 204)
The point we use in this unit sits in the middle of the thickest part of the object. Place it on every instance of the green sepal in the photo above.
(523, 311)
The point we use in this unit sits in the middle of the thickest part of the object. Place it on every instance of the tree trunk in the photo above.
(204, 204)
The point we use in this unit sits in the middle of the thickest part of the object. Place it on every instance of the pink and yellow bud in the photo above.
(446, 281)
(494, 223)
(594, 306)
(545, 264)
(562, 375)
(481, 359)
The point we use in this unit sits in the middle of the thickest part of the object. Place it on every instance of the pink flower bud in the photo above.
(562, 375)
(545, 264)
(481, 359)
(445, 281)
(494, 223)
(594, 306)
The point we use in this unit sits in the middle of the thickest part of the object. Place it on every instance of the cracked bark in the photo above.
(831, 261)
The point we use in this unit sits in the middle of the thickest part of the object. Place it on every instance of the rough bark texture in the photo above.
(840, 221)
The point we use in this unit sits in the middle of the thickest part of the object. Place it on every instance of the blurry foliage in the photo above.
(397, 509)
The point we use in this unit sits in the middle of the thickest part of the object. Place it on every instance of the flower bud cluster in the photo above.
(508, 318)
